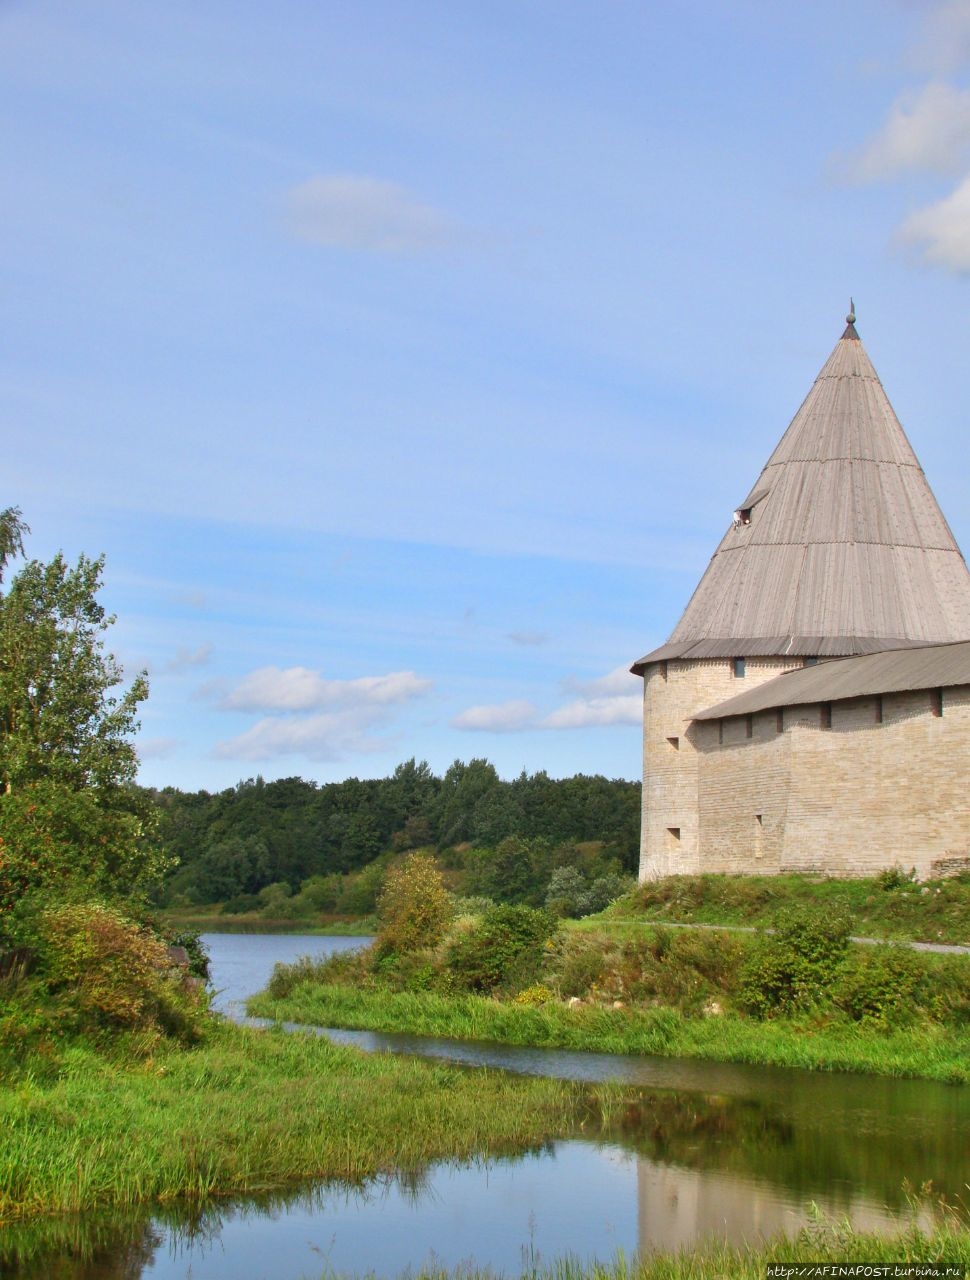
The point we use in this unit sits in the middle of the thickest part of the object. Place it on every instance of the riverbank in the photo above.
(213, 921)
(919, 1053)
(250, 1111)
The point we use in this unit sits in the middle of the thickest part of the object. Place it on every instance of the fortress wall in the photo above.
(851, 789)
(672, 693)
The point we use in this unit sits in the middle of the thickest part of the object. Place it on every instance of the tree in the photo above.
(69, 809)
(414, 908)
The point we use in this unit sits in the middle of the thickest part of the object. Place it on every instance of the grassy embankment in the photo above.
(211, 919)
(250, 1111)
(891, 906)
(930, 1053)
(799, 996)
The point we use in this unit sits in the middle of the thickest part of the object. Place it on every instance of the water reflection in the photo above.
(705, 1150)
(577, 1197)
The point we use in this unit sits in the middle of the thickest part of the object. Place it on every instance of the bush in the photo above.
(502, 950)
(414, 908)
(114, 973)
(796, 965)
(881, 986)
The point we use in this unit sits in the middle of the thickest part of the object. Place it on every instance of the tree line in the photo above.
(234, 843)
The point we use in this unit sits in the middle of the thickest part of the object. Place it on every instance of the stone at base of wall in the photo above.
(953, 865)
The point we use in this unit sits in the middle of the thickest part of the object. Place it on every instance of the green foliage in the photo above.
(502, 950)
(116, 973)
(69, 810)
(258, 833)
(572, 894)
(683, 969)
(880, 985)
(796, 965)
(414, 908)
(890, 905)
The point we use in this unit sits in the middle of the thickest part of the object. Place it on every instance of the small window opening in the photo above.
(936, 702)
(675, 743)
(811, 662)
(879, 709)
(739, 668)
(742, 517)
(749, 726)
(825, 715)
(674, 832)
(759, 818)
(779, 721)
(720, 733)
(663, 670)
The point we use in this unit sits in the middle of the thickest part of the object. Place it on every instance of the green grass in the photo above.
(253, 922)
(252, 1111)
(931, 1053)
(888, 907)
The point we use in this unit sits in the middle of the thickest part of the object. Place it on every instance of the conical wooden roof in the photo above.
(840, 547)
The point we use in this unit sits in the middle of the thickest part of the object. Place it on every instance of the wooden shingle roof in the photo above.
(840, 547)
(893, 671)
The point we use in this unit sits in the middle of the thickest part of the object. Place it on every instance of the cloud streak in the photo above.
(305, 714)
(368, 215)
(602, 702)
(300, 689)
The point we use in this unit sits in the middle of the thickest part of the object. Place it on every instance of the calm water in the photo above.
(711, 1150)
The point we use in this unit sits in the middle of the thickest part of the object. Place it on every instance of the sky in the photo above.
(406, 359)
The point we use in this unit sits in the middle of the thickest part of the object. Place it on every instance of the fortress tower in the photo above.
(839, 549)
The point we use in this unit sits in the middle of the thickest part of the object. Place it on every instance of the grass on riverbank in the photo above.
(889, 906)
(931, 1053)
(211, 920)
(251, 1111)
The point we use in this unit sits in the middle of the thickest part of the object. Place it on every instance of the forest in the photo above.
(271, 838)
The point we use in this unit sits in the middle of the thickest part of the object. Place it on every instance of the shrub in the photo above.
(881, 986)
(414, 908)
(503, 949)
(114, 973)
(795, 965)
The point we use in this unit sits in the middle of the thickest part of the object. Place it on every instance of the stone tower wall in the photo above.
(673, 691)
(848, 789)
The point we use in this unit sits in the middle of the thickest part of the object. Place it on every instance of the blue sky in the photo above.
(407, 360)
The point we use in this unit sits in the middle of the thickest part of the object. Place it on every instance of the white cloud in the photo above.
(612, 699)
(928, 131)
(616, 683)
(348, 211)
(185, 659)
(943, 231)
(503, 717)
(330, 735)
(585, 713)
(300, 689)
(345, 712)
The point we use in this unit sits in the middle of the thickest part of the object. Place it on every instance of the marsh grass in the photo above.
(250, 1111)
(930, 1052)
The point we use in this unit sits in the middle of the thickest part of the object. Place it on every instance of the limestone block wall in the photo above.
(670, 839)
(847, 788)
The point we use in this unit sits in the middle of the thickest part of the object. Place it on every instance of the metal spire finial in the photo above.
(850, 318)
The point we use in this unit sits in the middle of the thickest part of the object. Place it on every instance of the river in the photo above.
(713, 1150)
